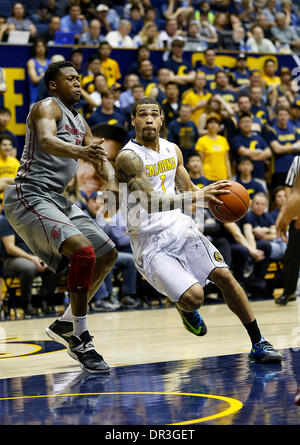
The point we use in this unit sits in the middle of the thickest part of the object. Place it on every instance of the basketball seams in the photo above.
(238, 196)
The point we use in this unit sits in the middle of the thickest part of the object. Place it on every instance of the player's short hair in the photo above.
(53, 70)
(145, 100)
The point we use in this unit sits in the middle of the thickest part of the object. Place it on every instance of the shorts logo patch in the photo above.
(55, 232)
(218, 257)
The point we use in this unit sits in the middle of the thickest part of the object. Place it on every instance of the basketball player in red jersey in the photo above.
(169, 251)
(57, 231)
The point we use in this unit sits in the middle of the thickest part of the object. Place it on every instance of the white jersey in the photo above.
(160, 168)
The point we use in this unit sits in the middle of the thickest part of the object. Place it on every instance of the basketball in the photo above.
(235, 204)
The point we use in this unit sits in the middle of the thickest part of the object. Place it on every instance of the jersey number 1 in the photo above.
(163, 178)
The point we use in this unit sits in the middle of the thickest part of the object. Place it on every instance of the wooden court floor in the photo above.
(161, 374)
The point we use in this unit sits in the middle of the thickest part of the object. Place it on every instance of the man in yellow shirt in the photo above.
(197, 97)
(109, 67)
(8, 164)
(214, 151)
(269, 74)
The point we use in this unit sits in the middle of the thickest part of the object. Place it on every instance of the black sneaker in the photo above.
(264, 352)
(284, 299)
(82, 349)
(60, 331)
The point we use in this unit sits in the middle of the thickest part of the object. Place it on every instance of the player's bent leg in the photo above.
(262, 351)
(187, 307)
(103, 266)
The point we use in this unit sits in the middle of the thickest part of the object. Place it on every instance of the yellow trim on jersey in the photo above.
(160, 167)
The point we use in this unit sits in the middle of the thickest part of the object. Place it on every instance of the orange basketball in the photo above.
(235, 204)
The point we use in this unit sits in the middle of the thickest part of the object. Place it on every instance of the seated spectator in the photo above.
(295, 115)
(284, 141)
(260, 232)
(246, 12)
(207, 32)
(125, 262)
(216, 104)
(121, 37)
(147, 36)
(126, 97)
(146, 77)
(221, 25)
(291, 12)
(109, 67)
(167, 35)
(18, 258)
(255, 81)
(138, 93)
(8, 164)
(193, 40)
(150, 15)
(74, 22)
(87, 81)
(269, 77)
(258, 109)
(142, 53)
(92, 37)
(53, 27)
(261, 20)
(5, 116)
(107, 112)
(214, 151)
(285, 87)
(58, 8)
(183, 131)
(184, 72)
(257, 43)
(36, 67)
(223, 88)
(245, 168)
(232, 123)
(20, 21)
(240, 74)
(108, 17)
(286, 36)
(279, 199)
(5, 28)
(209, 68)
(171, 103)
(251, 144)
(195, 170)
(76, 57)
(197, 97)
(136, 20)
(117, 88)
(100, 85)
(269, 12)
(159, 92)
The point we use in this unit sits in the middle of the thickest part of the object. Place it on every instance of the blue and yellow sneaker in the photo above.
(193, 322)
(264, 352)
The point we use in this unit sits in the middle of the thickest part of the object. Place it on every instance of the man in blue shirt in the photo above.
(285, 143)
(223, 88)
(232, 123)
(195, 170)
(73, 22)
(245, 168)
(252, 144)
(258, 109)
(146, 77)
(240, 74)
(183, 132)
(107, 112)
(183, 70)
(209, 68)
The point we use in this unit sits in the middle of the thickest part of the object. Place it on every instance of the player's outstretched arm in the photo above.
(44, 117)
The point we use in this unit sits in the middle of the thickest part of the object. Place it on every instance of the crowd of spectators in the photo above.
(237, 123)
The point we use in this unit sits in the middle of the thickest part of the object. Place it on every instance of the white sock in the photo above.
(67, 315)
(79, 325)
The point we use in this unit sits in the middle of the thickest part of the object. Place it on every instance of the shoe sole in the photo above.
(264, 360)
(90, 371)
(56, 337)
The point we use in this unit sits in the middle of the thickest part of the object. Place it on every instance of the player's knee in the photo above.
(82, 264)
(193, 298)
(223, 278)
(108, 260)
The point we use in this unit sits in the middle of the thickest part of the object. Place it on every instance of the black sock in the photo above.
(253, 331)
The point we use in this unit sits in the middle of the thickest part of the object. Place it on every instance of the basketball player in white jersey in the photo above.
(169, 251)
(57, 231)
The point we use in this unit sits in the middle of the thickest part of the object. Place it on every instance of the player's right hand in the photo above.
(211, 191)
(93, 153)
